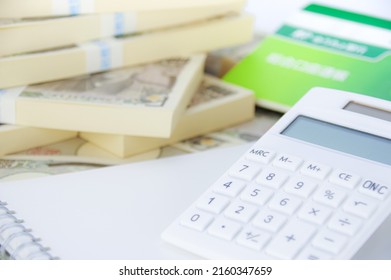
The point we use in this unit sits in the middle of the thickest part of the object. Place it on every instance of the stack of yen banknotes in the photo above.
(91, 83)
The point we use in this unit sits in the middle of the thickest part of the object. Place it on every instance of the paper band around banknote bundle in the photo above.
(8, 104)
(118, 24)
(103, 55)
(73, 7)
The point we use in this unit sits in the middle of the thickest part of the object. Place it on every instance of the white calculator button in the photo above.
(360, 205)
(290, 240)
(260, 154)
(228, 186)
(269, 220)
(271, 177)
(196, 219)
(284, 203)
(245, 170)
(224, 228)
(213, 202)
(329, 241)
(310, 253)
(253, 238)
(374, 188)
(314, 213)
(240, 211)
(287, 162)
(330, 195)
(344, 223)
(344, 178)
(300, 185)
(256, 194)
(315, 170)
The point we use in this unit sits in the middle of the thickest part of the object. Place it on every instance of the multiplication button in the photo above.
(315, 213)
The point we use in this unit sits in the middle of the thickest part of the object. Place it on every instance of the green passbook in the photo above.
(319, 46)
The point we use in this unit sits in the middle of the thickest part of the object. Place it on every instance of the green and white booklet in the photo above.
(319, 46)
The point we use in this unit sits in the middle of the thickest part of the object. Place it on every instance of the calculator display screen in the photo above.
(340, 138)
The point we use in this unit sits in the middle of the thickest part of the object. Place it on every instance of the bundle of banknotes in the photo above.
(92, 83)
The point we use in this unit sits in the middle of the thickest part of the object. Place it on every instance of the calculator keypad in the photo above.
(285, 206)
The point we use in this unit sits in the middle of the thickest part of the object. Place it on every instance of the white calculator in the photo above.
(315, 186)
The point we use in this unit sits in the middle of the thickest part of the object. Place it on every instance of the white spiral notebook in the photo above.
(118, 212)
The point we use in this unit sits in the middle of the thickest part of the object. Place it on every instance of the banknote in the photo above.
(77, 154)
(68, 156)
(146, 85)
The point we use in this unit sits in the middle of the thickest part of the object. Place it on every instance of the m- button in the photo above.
(287, 162)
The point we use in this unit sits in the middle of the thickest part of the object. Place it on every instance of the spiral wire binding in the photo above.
(39, 251)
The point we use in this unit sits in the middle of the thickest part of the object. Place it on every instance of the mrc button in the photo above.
(374, 188)
(260, 155)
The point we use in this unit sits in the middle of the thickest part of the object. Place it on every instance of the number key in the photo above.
(196, 219)
(271, 177)
(284, 203)
(299, 185)
(269, 220)
(213, 203)
(228, 186)
(256, 194)
(240, 211)
(245, 170)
